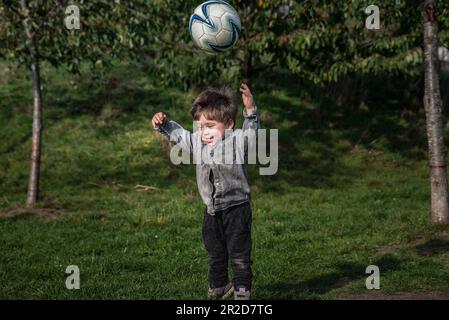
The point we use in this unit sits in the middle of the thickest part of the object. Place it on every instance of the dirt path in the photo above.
(14, 211)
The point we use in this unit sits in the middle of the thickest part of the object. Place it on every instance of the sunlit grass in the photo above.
(132, 221)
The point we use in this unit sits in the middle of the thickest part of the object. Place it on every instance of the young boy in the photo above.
(223, 185)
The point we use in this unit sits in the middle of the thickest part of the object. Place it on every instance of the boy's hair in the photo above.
(216, 104)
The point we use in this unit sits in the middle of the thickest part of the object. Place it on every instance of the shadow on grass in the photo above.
(384, 117)
(309, 143)
(310, 131)
(347, 272)
(115, 102)
(307, 155)
(433, 247)
(385, 113)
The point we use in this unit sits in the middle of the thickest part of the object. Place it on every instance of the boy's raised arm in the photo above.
(173, 131)
(250, 115)
(250, 121)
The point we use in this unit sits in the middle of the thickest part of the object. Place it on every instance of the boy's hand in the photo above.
(247, 97)
(158, 119)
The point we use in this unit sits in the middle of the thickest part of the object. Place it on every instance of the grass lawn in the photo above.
(352, 190)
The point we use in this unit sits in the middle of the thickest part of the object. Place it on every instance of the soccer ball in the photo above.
(215, 26)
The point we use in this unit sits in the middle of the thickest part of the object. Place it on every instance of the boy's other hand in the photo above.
(158, 119)
(247, 97)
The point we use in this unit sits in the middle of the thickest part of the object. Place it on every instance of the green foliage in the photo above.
(319, 40)
(332, 40)
(109, 30)
(177, 62)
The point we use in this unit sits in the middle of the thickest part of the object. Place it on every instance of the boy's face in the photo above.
(211, 131)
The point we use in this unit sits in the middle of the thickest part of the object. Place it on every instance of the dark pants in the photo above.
(227, 234)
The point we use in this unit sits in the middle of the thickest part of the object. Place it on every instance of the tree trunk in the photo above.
(247, 67)
(33, 184)
(434, 117)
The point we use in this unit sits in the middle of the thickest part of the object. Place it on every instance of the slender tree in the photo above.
(33, 31)
(434, 116)
(33, 183)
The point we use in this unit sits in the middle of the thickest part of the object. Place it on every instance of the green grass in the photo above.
(343, 198)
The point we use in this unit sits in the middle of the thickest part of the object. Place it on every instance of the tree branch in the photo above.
(177, 45)
(58, 8)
